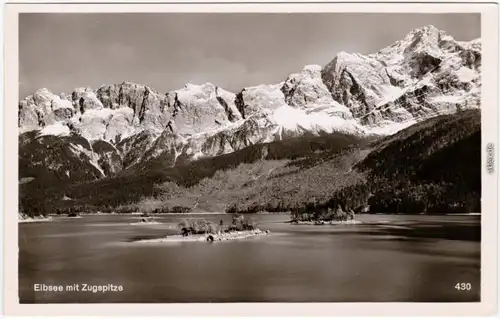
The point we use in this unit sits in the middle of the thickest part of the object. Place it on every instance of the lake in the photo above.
(388, 258)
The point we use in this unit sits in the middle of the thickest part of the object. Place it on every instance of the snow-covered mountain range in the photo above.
(425, 74)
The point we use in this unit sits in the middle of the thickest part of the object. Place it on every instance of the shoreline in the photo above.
(146, 223)
(322, 222)
(204, 237)
(135, 214)
(36, 219)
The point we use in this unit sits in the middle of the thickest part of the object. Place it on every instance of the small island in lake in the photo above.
(324, 216)
(202, 230)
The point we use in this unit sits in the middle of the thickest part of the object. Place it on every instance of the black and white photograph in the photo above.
(250, 157)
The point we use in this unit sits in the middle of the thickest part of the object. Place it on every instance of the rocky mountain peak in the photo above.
(427, 40)
(201, 108)
(206, 85)
(43, 95)
(426, 59)
(424, 33)
(205, 90)
(307, 90)
(312, 70)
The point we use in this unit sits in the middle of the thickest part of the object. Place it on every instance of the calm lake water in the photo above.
(388, 258)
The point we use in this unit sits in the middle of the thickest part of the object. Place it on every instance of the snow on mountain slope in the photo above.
(252, 100)
(201, 108)
(404, 82)
(56, 129)
(295, 122)
(425, 74)
(307, 90)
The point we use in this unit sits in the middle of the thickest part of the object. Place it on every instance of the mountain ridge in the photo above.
(425, 74)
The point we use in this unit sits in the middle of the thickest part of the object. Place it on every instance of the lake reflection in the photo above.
(388, 258)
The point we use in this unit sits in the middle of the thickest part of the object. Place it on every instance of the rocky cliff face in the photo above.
(425, 74)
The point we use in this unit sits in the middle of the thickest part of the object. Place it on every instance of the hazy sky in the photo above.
(165, 51)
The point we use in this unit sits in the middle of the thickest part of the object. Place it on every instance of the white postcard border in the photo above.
(489, 122)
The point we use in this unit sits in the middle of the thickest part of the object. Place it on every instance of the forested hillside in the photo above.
(58, 193)
(431, 167)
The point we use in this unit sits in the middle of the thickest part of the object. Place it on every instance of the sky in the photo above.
(167, 50)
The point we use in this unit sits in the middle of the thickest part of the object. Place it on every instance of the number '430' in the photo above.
(463, 286)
